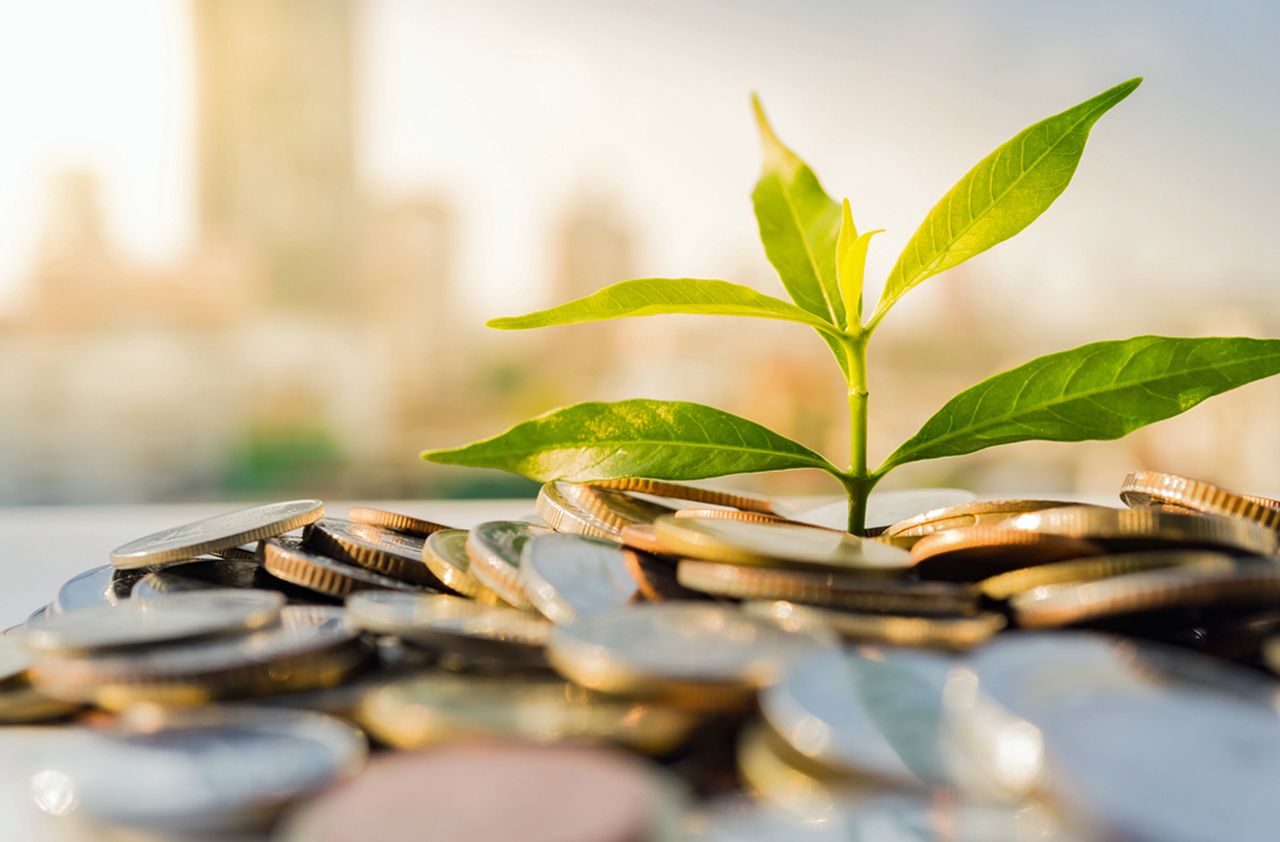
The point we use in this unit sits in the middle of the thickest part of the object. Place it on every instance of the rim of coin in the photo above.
(219, 532)
(655, 577)
(978, 513)
(778, 775)
(322, 574)
(970, 553)
(700, 654)
(249, 762)
(569, 576)
(494, 548)
(1208, 582)
(1003, 586)
(1155, 488)
(236, 554)
(102, 585)
(445, 554)
(163, 620)
(452, 624)
(312, 646)
(15, 660)
(597, 513)
(641, 537)
(568, 792)
(385, 551)
(834, 590)
(735, 514)
(1151, 527)
(876, 713)
(394, 520)
(776, 545)
(435, 708)
(955, 634)
(693, 493)
(196, 575)
(24, 705)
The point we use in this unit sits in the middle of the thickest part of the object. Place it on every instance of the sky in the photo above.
(516, 108)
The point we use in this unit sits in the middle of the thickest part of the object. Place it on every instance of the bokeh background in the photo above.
(247, 247)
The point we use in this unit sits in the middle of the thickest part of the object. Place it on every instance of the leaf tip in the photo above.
(501, 323)
(774, 149)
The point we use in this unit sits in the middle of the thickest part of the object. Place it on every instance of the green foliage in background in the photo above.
(1099, 391)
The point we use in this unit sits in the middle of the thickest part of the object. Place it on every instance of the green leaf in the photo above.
(799, 224)
(851, 265)
(655, 296)
(1000, 196)
(636, 438)
(1099, 391)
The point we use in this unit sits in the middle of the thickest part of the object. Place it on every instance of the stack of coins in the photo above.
(646, 660)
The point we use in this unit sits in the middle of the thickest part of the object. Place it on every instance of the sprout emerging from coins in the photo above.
(1103, 390)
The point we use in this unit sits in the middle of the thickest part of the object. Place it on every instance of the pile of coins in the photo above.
(643, 661)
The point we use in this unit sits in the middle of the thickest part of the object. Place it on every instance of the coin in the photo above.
(429, 709)
(313, 646)
(385, 551)
(776, 774)
(197, 575)
(453, 624)
(291, 563)
(836, 590)
(1150, 529)
(951, 633)
(394, 520)
(494, 549)
(175, 617)
(971, 553)
(547, 794)
(884, 508)
(876, 715)
(1005, 585)
(981, 513)
(1143, 489)
(655, 577)
(219, 532)
(237, 554)
(218, 769)
(569, 576)
(701, 654)
(642, 537)
(1216, 580)
(96, 586)
(595, 512)
(445, 554)
(692, 493)
(735, 514)
(775, 545)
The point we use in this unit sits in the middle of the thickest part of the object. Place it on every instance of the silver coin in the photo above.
(885, 508)
(570, 576)
(877, 715)
(197, 575)
(1181, 766)
(220, 532)
(996, 703)
(494, 549)
(175, 617)
(653, 644)
(219, 769)
(451, 624)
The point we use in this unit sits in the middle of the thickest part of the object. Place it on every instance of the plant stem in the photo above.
(860, 482)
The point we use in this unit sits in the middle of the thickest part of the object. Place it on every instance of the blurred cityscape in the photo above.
(315, 337)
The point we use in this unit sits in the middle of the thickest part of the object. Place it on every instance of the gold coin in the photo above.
(978, 552)
(385, 551)
(949, 633)
(692, 493)
(291, 563)
(494, 549)
(1214, 581)
(734, 514)
(697, 654)
(594, 512)
(837, 590)
(1143, 489)
(394, 520)
(982, 513)
(430, 709)
(1005, 585)
(642, 537)
(1151, 529)
(445, 554)
(776, 545)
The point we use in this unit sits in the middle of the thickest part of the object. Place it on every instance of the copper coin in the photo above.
(394, 520)
(978, 552)
(489, 791)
